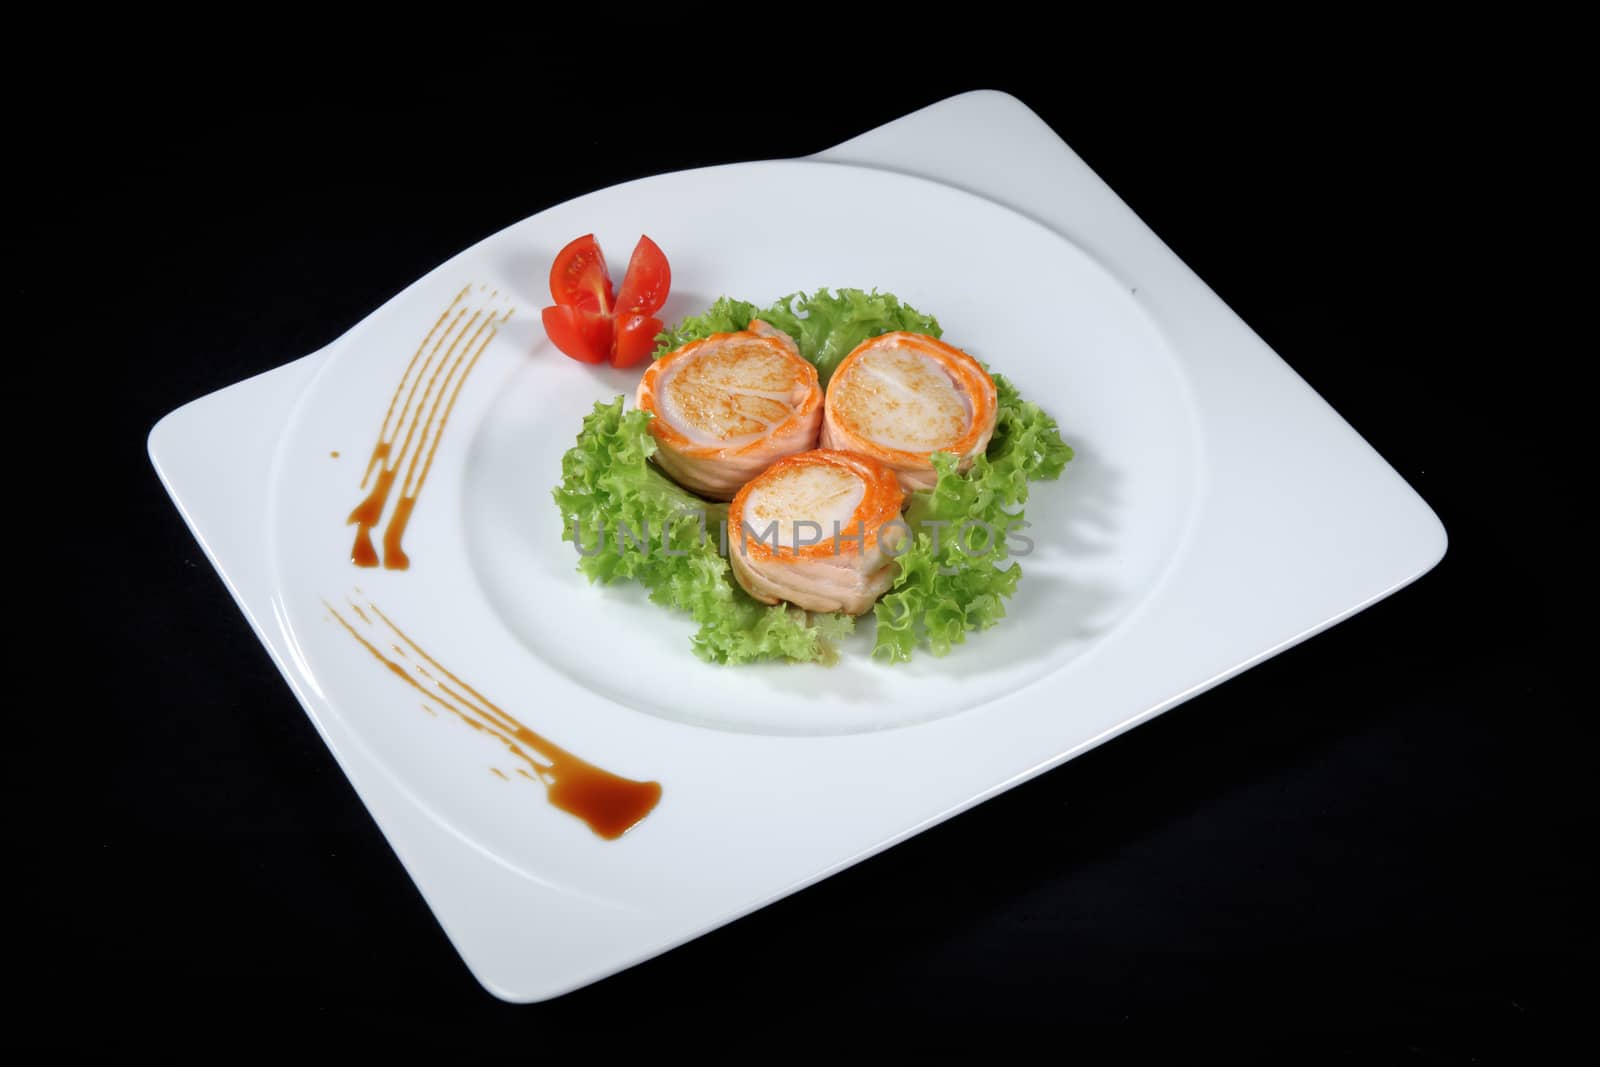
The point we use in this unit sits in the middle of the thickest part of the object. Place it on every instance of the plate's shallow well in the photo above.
(1010, 292)
(492, 591)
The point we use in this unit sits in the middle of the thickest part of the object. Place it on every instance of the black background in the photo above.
(1371, 846)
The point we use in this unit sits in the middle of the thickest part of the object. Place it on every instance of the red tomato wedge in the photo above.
(644, 287)
(594, 324)
(583, 335)
(635, 339)
(578, 277)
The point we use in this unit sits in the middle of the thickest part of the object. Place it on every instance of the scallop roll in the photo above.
(900, 397)
(729, 405)
(819, 529)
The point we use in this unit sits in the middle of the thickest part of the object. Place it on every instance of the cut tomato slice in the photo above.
(583, 335)
(578, 277)
(589, 321)
(644, 287)
(635, 340)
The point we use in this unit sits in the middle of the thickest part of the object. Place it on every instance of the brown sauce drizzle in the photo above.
(610, 804)
(453, 344)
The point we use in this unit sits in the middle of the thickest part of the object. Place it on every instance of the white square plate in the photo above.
(1218, 512)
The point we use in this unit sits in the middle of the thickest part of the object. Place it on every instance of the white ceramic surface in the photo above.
(1218, 512)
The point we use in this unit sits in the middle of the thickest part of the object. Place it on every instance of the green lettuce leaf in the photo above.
(615, 505)
(826, 325)
(953, 577)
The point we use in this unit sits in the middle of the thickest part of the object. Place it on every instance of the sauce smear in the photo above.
(418, 411)
(608, 803)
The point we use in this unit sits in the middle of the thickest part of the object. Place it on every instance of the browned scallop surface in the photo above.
(731, 394)
(903, 400)
(901, 397)
(728, 406)
(819, 529)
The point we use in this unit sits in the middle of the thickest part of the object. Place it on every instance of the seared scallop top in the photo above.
(901, 396)
(796, 505)
(731, 393)
(730, 404)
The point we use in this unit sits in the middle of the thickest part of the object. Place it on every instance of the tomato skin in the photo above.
(644, 287)
(583, 335)
(635, 339)
(579, 278)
